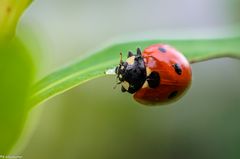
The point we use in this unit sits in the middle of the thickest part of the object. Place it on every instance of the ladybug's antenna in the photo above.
(117, 83)
(121, 61)
(130, 54)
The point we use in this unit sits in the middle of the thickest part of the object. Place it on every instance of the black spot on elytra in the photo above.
(172, 95)
(162, 50)
(177, 68)
(153, 79)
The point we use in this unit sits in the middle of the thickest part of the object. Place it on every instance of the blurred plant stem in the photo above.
(10, 12)
(17, 72)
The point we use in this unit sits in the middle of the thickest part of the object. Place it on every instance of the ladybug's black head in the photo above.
(131, 73)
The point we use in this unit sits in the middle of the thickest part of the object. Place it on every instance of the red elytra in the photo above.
(174, 71)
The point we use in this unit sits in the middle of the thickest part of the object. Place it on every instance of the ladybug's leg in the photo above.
(153, 80)
(123, 89)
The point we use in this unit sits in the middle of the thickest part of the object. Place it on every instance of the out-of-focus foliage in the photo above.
(16, 69)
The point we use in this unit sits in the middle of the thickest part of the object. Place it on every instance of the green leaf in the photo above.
(16, 76)
(95, 65)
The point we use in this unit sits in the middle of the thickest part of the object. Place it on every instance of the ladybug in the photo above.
(158, 75)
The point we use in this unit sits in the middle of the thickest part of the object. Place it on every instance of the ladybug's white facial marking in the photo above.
(148, 70)
(145, 85)
(130, 60)
(125, 85)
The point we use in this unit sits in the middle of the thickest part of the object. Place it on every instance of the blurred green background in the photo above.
(94, 121)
